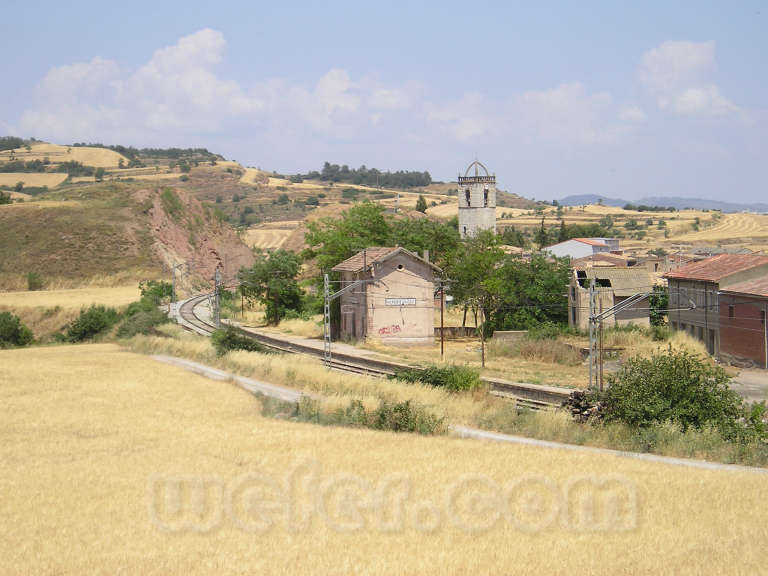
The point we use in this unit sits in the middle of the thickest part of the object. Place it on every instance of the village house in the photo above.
(582, 247)
(743, 330)
(694, 291)
(395, 301)
(612, 285)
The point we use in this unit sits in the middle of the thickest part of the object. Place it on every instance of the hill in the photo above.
(108, 232)
(676, 202)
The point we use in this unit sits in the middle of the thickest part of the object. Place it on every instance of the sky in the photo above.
(557, 98)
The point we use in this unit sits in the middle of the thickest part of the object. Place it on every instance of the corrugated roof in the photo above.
(374, 254)
(718, 267)
(756, 287)
(624, 281)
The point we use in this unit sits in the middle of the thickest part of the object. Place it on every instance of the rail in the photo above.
(528, 396)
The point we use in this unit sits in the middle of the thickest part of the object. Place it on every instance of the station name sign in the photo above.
(400, 301)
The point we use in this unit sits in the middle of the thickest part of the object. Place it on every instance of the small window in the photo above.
(466, 197)
(399, 266)
(465, 230)
(485, 197)
(731, 311)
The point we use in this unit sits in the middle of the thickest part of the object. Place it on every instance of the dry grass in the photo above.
(73, 298)
(98, 157)
(270, 236)
(467, 351)
(85, 430)
(32, 179)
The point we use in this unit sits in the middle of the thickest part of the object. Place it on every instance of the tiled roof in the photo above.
(591, 242)
(600, 259)
(369, 256)
(757, 287)
(718, 267)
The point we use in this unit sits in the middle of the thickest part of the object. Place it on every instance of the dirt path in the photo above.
(291, 395)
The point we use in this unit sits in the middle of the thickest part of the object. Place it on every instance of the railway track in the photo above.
(527, 396)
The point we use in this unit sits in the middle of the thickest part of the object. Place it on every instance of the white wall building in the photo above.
(583, 247)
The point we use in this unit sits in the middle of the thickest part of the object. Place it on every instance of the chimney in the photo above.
(426, 255)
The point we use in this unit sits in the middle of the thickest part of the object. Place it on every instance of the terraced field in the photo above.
(732, 228)
(98, 157)
(270, 236)
(32, 179)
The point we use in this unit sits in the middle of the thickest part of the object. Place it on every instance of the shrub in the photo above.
(227, 339)
(677, 387)
(155, 291)
(12, 332)
(452, 378)
(91, 322)
(171, 203)
(350, 193)
(34, 281)
(407, 416)
(141, 322)
(5, 198)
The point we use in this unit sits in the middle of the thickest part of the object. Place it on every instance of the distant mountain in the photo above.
(676, 202)
(582, 199)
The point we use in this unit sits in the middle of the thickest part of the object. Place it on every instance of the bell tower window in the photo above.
(466, 197)
(485, 197)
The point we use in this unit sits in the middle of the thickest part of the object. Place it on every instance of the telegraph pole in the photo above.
(592, 320)
(442, 325)
(326, 321)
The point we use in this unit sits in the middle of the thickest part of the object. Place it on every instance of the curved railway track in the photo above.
(532, 397)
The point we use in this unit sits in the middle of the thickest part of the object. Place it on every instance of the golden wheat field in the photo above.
(71, 298)
(115, 463)
(33, 179)
(90, 156)
(270, 236)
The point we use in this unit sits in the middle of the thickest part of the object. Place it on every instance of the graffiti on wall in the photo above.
(389, 330)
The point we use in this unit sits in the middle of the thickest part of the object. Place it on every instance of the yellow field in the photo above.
(74, 298)
(270, 236)
(32, 179)
(93, 440)
(98, 157)
(731, 227)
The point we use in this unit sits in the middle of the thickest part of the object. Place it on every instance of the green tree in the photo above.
(528, 292)
(12, 332)
(272, 282)
(99, 174)
(5, 198)
(562, 235)
(421, 204)
(541, 238)
(658, 302)
(513, 237)
(19, 186)
(332, 240)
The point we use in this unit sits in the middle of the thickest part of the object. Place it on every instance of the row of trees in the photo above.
(368, 176)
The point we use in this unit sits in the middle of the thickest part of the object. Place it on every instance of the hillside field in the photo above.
(32, 179)
(90, 156)
(95, 440)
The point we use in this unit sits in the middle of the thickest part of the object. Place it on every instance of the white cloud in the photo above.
(632, 114)
(676, 74)
(570, 114)
(464, 119)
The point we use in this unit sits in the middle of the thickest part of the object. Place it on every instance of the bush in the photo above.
(227, 339)
(5, 198)
(34, 281)
(677, 387)
(141, 322)
(91, 322)
(452, 378)
(12, 332)
(407, 416)
(155, 291)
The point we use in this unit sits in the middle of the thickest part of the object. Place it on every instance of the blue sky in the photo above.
(613, 98)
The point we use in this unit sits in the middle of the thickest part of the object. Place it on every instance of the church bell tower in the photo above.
(477, 201)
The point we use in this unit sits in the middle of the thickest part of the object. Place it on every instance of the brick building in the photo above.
(698, 285)
(743, 330)
(397, 302)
